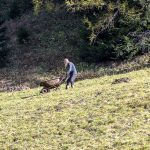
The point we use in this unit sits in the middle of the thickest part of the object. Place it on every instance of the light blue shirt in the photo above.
(71, 68)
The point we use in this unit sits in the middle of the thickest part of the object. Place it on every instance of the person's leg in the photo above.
(68, 81)
(73, 80)
(72, 84)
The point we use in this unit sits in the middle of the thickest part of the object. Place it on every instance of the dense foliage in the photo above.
(110, 25)
(84, 30)
(18, 7)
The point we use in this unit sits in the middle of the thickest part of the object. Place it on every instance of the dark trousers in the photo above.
(71, 79)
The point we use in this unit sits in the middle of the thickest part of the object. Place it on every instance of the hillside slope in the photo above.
(96, 115)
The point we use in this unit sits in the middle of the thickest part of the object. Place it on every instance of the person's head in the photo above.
(66, 61)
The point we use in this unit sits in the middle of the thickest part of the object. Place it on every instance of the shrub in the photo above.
(22, 35)
(127, 49)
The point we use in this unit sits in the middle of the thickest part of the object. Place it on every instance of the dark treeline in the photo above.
(111, 29)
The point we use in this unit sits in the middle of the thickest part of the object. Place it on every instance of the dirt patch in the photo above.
(8, 85)
(121, 80)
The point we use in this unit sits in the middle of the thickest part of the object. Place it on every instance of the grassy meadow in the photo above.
(95, 115)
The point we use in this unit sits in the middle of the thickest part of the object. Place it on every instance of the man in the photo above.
(71, 73)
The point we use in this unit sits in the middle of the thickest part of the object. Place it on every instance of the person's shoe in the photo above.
(66, 87)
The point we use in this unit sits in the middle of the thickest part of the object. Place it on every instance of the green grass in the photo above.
(96, 115)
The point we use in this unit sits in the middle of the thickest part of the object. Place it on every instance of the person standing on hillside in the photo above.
(71, 73)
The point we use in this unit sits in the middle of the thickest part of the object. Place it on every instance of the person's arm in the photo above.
(68, 71)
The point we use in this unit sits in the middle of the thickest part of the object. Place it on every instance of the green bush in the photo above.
(22, 35)
(127, 49)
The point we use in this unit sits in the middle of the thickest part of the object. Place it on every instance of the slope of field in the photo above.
(96, 115)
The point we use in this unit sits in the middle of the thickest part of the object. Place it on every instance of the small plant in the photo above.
(22, 35)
